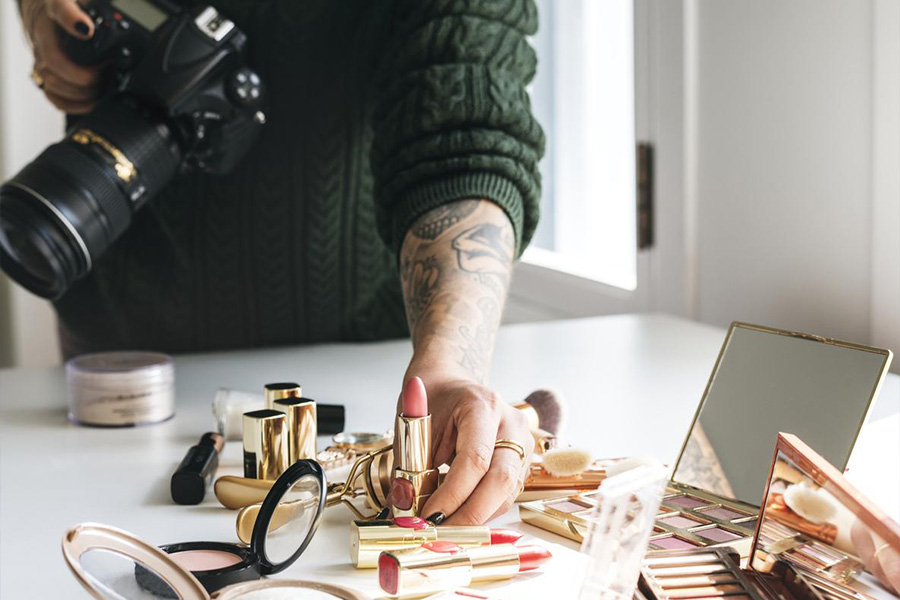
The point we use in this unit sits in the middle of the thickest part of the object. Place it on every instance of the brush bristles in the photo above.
(549, 408)
(564, 462)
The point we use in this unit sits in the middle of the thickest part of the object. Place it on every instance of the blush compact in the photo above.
(115, 565)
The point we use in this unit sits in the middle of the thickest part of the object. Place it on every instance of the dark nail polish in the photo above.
(82, 28)
(437, 518)
(384, 514)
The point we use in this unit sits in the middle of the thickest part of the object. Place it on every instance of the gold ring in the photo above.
(512, 445)
(36, 77)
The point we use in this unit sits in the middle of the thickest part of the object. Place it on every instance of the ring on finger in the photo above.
(36, 76)
(512, 445)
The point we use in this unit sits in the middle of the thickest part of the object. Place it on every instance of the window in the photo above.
(583, 95)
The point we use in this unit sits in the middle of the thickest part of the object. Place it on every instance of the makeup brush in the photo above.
(565, 462)
(809, 502)
(544, 410)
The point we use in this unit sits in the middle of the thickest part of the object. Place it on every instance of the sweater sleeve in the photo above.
(452, 117)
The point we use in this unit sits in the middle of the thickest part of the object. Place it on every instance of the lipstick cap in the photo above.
(301, 426)
(265, 444)
(330, 419)
(277, 391)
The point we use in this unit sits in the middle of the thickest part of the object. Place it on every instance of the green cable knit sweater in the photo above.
(380, 111)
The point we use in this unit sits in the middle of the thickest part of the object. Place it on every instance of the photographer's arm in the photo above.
(71, 88)
(455, 267)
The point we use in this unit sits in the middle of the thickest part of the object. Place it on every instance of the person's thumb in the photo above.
(70, 16)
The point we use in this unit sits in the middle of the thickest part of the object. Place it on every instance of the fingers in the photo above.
(499, 487)
(51, 57)
(56, 85)
(71, 18)
(477, 427)
(70, 107)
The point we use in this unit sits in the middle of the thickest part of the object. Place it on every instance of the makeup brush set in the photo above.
(728, 521)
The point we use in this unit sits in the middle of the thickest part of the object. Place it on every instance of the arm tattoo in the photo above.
(478, 340)
(455, 269)
(431, 225)
(420, 278)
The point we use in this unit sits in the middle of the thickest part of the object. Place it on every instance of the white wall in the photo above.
(28, 123)
(783, 107)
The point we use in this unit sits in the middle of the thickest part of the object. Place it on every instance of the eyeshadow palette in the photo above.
(764, 381)
(817, 523)
(715, 574)
(685, 520)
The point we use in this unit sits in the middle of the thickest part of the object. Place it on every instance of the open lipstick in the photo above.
(437, 566)
(368, 539)
(415, 477)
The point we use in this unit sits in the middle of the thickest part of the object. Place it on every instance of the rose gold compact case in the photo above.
(818, 538)
(764, 381)
(113, 564)
(816, 522)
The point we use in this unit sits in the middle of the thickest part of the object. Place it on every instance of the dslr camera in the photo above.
(181, 99)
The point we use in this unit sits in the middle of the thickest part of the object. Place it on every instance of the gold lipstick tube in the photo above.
(421, 571)
(301, 426)
(277, 391)
(416, 458)
(368, 539)
(265, 444)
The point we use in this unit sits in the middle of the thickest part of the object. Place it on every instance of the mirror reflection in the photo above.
(805, 525)
(768, 382)
(293, 519)
(117, 577)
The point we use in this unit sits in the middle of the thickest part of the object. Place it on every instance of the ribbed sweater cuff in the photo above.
(470, 186)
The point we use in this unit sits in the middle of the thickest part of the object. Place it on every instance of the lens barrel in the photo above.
(65, 208)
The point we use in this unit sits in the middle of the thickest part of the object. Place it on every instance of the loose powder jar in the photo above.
(121, 389)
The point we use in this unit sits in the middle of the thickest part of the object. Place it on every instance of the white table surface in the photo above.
(632, 384)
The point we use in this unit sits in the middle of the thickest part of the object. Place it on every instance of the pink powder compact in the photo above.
(193, 570)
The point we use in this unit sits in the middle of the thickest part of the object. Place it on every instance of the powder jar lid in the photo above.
(108, 560)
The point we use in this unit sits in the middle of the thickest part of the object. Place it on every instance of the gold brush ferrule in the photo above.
(368, 539)
(540, 480)
(301, 426)
(416, 462)
(423, 571)
(265, 444)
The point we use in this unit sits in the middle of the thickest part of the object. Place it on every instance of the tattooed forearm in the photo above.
(420, 277)
(455, 269)
(478, 339)
(436, 222)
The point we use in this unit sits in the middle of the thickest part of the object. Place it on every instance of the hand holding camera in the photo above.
(72, 88)
(176, 95)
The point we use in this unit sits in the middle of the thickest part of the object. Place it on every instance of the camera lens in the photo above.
(64, 209)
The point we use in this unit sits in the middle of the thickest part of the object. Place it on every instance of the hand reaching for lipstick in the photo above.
(467, 420)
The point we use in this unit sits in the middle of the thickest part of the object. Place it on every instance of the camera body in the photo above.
(185, 63)
(180, 97)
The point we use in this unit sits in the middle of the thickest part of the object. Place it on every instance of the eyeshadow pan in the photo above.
(717, 534)
(686, 501)
(672, 543)
(705, 591)
(724, 513)
(681, 521)
(568, 506)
